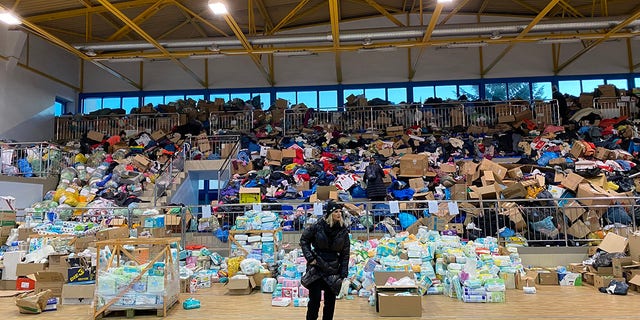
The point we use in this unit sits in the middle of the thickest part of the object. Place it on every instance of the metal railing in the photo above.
(220, 145)
(33, 159)
(236, 121)
(614, 107)
(74, 127)
(169, 172)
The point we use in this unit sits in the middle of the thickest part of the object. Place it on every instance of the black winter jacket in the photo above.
(375, 184)
(331, 254)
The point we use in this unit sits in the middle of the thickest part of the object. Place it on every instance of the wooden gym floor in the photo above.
(551, 302)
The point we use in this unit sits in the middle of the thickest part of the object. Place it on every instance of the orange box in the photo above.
(141, 255)
(24, 283)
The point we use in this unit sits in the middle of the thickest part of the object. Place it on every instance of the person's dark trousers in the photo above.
(314, 301)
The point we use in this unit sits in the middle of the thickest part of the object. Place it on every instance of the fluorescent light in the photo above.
(559, 40)
(379, 49)
(467, 44)
(445, 1)
(206, 56)
(115, 60)
(218, 7)
(293, 53)
(9, 18)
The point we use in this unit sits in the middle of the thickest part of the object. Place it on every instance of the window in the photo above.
(91, 104)
(472, 91)
(619, 83)
(289, 96)
(495, 91)
(397, 95)
(309, 98)
(589, 86)
(168, 99)
(196, 97)
(265, 99)
(420, 94)
(355, 92)
(129, 103)
(541, 90)
(59, 107)
(328, 100)
(571, 87)
(111, 103)
(154, 100)
(519, 91)
(637, 83)
(375, 93)
(223, 96)
(200, 184)
(447, 92)
(241, 96)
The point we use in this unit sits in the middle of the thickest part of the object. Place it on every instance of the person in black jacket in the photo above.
(562, 104)
(325, 246)
(373, 175)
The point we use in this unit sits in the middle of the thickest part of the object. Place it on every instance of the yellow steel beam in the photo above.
(265, 14)
(521, 35)
(571, 8)
(46, 75)
(366, 2)
(107, 19)
(308, 11)
(251, 17)
(606, 36)
(385, 13)
(195, 25)
(15, 5)
(593, 4)
(605, 8)
(174, 28)
(81, 12)
(288, 17)
(71, 33)
(427, 36)
(247, 46)
(53, 39)
(146, 14)
(199, 18)
(483, 6)
(272, 69)
(526, 6)
(421, 12)
(454, 11)
(334, 14)
(149, 39)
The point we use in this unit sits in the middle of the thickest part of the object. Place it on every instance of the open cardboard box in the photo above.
(240, 286)
(389, 305)
(77, 294)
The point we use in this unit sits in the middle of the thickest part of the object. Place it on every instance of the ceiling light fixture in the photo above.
(559, 40)
(445, 1)
(467, 44)
(116, 60)
(213, 48)
(635, 29)
(9, 18)
(378, 49)
(367, 42)
(90, 53)
(294, 53)
(218, 7)
(206, 56)
(495, 35)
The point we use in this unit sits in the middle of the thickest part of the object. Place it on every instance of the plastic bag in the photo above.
(616, 287)
(250, 266)
(191, 303)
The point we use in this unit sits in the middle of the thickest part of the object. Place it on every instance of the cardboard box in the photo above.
(547, 278)
(506, 119)
(25, 269)
(524, 115)
(572, 181)
(573, 210)
(25, 283)
(85, 242)
(258, 277)
(514, 191)
(95, 136)
(324, 192)
(586, 190)
(606, 271)
(414, 165)
(74, 294)
(570, 279)
(81, 274)
(7, 218)
(613, 243)
(576, 268)
(288, 153)
(141, 162)
(603, 154)
(249, 195)
(618, 263)
(113, 233)
(8, 284)
(395, 131)
(389, 305)
(240, 286)
(448, 168)
(240, 167)
(577, 150)
(49, 281)
(515, 173)
(458, 192)
(158, 135)
(579, 229)
(600, 281)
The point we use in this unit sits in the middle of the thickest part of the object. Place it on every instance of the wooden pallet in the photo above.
(123, 311)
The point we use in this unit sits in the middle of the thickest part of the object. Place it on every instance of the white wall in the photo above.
(26, 98)
(435, 64)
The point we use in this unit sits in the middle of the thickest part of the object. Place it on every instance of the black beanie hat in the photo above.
(330, 207)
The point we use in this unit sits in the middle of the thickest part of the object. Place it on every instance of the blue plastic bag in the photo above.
(191, 303)
(406, 219)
